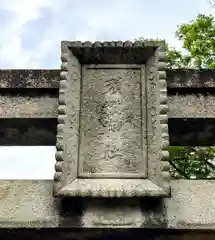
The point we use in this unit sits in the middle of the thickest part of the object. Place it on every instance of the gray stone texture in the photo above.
(46, 106)
(110, 124)
(29, 78)
(67, 138)
(112, 187)
(186, 78)
(42, 131)
(112, 121)
(30, 204)
(28, 107)
(50, 78)
(191, 106)
(31, 120)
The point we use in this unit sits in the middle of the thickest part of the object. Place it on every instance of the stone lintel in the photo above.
(29, 204)
(50, 78)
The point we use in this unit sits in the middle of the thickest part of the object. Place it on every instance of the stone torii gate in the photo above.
(112, 177)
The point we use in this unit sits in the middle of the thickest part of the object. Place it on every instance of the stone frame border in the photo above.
(157, 145)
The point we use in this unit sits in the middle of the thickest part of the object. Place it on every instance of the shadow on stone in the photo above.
(154, 211)
(71, 211)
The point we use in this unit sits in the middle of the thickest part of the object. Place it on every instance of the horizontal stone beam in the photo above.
(45, 106)
(29, 100)
(28, 131)
(42, 131)
(98, 234)
(28, 78)
(191, 106)
(84, 234)
(29, 204)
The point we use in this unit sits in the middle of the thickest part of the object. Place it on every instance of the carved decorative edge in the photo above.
(62, 113)
(112, 188)
(60, 146)
(125, 44)
(165, 166)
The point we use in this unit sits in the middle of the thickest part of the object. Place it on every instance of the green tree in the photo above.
(198, 41)
(198, 44)
(192, 162)
(198, 52)
(198, 38)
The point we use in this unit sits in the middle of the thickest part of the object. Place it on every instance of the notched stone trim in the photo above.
(112, 52)
(125, 44)
(165, 166)
(68, 184)
(112, 188)
(58, 181)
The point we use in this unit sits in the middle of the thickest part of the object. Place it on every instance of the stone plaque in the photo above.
(112, 141)
(112, 133)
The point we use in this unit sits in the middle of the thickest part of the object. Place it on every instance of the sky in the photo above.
(30, 36)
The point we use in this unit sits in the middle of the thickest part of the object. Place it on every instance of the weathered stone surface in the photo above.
(191, 106)
(29, 78)
(110, 124)
(50, 78)
(30, 204)
(191, 78)
(67, 139)
(46, 106)
(192, 205)
(28, 107)
(42, 131)
(112, 187)
(114, 52)
(112, 121)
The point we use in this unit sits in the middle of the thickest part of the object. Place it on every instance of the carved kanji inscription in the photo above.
(111, 136)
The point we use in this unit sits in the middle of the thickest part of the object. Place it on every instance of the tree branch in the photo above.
(210, 164)
(179, 170)
(212, 3)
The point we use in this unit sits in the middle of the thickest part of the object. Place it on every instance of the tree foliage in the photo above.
(198, 52)
(198, 41)
(192, 162)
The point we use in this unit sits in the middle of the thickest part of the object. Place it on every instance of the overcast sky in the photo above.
(30, 35)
